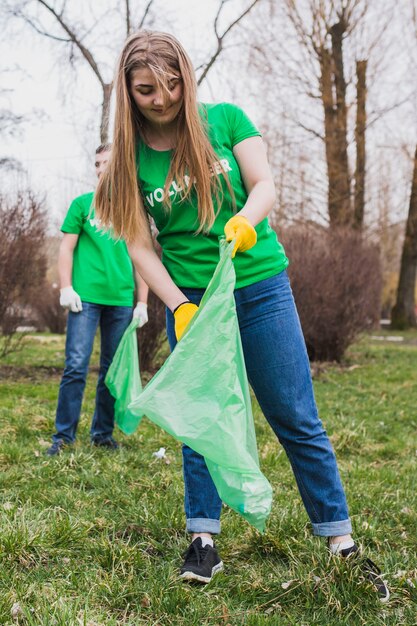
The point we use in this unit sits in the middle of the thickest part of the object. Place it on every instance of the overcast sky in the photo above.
(55, 144)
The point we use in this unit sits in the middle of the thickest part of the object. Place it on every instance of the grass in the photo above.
(94, 538)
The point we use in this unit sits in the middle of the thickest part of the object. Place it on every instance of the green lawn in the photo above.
(94, 538)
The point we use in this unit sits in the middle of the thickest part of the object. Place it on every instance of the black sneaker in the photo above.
(56, 448)
(369, 570)
(110, 444)
(200, 564)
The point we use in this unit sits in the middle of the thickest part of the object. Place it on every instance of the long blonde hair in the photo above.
(118, 202)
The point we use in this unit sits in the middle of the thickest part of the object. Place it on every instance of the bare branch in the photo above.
(311, 131)
(75, 40)
(43, 32)
(145, 14)
(127, 17)
(220, 38)
(382, 112)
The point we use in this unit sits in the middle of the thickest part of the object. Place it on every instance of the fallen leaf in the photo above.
(160, 454)
(287, 584)
(16, 611)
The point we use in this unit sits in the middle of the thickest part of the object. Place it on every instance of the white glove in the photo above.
(69, 299)
(141, 313)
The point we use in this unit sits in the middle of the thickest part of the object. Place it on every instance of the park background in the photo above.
(93, 539)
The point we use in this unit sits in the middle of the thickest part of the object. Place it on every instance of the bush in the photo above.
(22, 259)
(152, 336)
(337, 282)
(49, 313)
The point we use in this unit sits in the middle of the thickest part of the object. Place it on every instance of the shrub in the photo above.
(337, 282)
(22, 258)
(152, 336)
(49, 313)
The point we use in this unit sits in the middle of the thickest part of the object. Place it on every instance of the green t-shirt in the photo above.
(102, 271)
(189, 258)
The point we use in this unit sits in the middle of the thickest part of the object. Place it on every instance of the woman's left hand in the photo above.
(183, 315)
(239, 228)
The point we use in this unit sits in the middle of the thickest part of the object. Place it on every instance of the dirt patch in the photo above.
(43, 339)
(32, 374)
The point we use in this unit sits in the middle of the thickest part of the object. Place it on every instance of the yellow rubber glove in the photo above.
(183, 315)
(239, 228)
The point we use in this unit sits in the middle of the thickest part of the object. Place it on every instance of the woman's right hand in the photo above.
(183, 315)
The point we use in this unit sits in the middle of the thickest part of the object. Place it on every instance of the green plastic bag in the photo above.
(201, 397)
(123, 379)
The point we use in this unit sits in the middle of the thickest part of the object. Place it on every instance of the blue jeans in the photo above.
(279, 373)
(81, 330)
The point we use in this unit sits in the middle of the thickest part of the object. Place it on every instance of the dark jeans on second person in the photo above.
(279, 374)
(81, 330)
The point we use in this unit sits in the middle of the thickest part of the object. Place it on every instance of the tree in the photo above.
(404, 311)
(403, 314)
(310, 55)
(331, 24)
(10, 125)
(67, 29)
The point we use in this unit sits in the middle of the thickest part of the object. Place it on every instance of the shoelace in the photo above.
(197, 552)
(372, 567)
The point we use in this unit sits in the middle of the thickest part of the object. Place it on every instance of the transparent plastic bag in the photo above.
(201, 397)
(123, 379)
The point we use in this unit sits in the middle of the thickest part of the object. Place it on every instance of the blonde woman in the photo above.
(201, 171)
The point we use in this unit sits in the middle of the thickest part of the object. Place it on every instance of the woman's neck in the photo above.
(161, 137)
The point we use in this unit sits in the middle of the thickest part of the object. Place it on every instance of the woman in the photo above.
(202, 172)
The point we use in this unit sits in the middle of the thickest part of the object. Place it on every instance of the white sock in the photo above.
(207, 541)
(335, 548)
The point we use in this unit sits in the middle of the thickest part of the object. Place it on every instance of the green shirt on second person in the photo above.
(102, 271)
(189, 258)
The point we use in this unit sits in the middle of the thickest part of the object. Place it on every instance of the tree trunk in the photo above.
(105, 113)
(404, 314)
(333, 95)
(342, 181)
(329, 130)
(360, 129)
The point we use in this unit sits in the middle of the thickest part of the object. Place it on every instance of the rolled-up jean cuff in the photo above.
(203, 525)
(333, 529)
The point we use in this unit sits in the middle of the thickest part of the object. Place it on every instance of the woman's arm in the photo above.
(149, 266)
(142, 288)
(257, 178)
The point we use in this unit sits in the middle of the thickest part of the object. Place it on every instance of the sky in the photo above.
(61, 105)
(56, 143)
